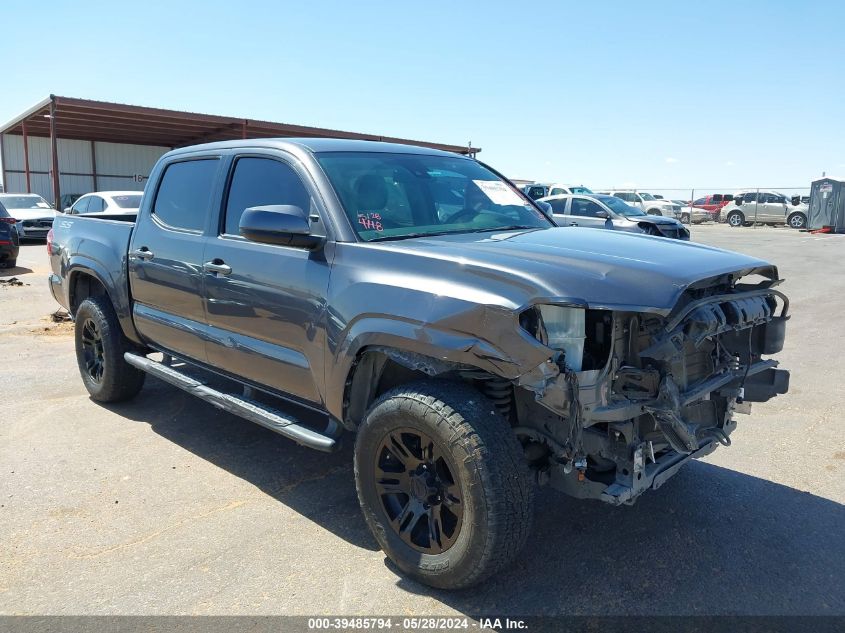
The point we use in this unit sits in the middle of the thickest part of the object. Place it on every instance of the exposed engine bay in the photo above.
(628, 397)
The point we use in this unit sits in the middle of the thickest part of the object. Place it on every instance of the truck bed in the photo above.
(98, 243)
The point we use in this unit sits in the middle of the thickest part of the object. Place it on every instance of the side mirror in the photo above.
(282, 224)
(67, 210)
(545, 206)
(601, 213)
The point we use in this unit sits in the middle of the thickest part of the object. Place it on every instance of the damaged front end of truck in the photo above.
(627, 397)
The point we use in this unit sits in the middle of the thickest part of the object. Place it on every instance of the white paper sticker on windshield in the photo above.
(499, 192)
(42, 205)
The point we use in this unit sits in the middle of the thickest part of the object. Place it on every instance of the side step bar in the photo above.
(242, 407)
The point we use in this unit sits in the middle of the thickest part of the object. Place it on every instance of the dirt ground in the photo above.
(165, 505)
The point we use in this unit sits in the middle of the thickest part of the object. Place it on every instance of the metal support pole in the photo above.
(3, 163)
(691, 200)
(57, 192)
(26, 156)
(756, 203)
(94, 165)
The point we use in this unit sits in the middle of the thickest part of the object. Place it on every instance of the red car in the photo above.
(714, 203)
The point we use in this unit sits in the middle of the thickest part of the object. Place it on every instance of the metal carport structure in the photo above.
(83, 120)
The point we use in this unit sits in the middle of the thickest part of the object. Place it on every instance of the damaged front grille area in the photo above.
(664, 391)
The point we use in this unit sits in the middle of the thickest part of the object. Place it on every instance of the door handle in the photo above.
(217, 266)
(142, 253)
(573, 224)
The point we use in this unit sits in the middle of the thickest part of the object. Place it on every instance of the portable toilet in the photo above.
(827, 205)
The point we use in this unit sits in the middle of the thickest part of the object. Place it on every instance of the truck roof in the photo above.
(317, 145)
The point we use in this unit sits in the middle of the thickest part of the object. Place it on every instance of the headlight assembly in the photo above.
(559, 327)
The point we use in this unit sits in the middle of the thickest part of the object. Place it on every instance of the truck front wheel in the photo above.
(443, 483)
(100, 345)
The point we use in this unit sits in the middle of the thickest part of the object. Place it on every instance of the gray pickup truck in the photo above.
(419, 301)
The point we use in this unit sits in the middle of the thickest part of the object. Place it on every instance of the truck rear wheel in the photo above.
(443, 483)
(100, 345)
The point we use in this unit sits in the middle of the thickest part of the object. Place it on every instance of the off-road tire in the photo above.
(736, 219)
(496, 486)
(118, 379)
(797, 221)
(685, 218)
(654, 212)
(9, 263)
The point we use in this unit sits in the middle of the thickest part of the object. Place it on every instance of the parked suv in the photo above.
(540, 190)
(714, 203)
(646, 202)
(600, 212)
(764, 207)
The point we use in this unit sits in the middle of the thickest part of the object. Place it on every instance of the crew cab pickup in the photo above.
(418, 301)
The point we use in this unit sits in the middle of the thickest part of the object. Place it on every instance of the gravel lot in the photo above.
(167, 506)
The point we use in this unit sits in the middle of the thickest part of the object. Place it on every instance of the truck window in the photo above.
(184, 193)
(261, 181)
(536, 192)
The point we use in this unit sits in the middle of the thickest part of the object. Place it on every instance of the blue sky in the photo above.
(652, 94)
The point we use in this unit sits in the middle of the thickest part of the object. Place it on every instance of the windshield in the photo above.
(395, 196)
(127, 202)
(24, 202)
(618, 206)
(646, 196)
(579, 190)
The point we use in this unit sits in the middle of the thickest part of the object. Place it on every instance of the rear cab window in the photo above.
(184, 193)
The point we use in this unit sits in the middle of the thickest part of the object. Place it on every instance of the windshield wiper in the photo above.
(515, 227)
(387, 238)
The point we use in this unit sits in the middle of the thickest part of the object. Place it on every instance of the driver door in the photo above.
(265, 303)
(585, 212)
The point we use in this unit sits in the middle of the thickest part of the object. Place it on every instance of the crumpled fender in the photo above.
(463, 337)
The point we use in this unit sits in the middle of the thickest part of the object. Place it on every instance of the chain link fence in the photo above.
(743, 206)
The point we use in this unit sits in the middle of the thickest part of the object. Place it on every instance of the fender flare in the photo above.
(443, 347)
(80, 265)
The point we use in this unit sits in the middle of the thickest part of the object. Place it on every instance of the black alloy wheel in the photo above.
(92, 349)
(418, 490)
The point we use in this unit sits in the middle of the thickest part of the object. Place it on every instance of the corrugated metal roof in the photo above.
(85, 119)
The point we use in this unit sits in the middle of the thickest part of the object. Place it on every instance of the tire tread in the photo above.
(497, 457)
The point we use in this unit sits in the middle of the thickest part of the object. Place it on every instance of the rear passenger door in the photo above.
(558, 206)
(266, 309)
(165, 257)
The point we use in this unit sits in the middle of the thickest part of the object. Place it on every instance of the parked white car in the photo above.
(542, 190)
(33, 214)
(107, 202)
(764, 207)
(646, 202)
(609, 212)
